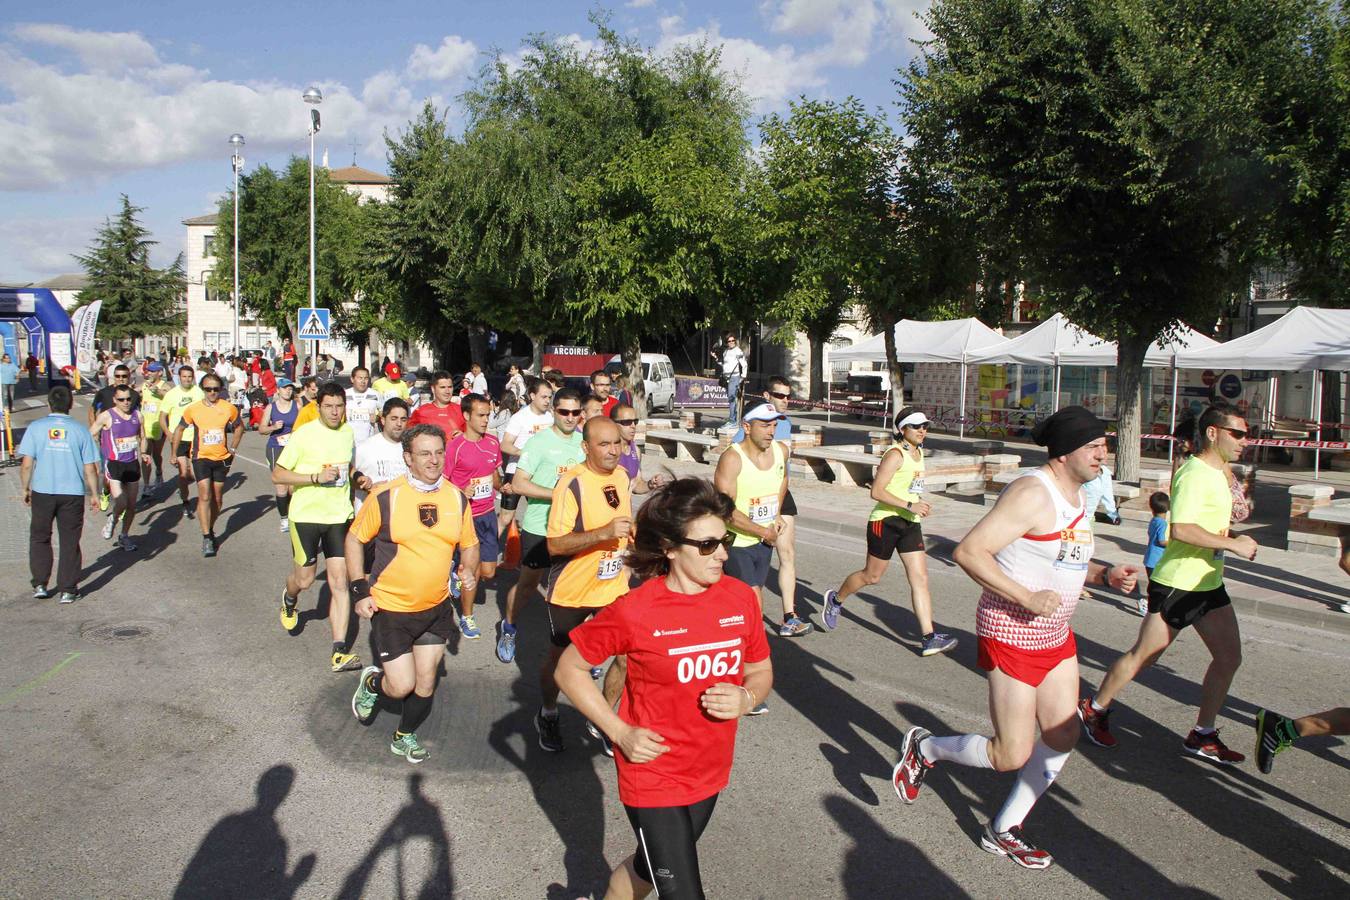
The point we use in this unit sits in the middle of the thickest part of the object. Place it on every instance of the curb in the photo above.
(1325, 620)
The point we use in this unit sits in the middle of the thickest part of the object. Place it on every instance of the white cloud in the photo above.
(451, 60)
(103, 51)
(769, 75)
(639, 4)
(109, 105)
(42, 248)
(854, 28)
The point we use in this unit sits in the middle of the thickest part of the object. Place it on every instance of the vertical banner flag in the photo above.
(86, 320)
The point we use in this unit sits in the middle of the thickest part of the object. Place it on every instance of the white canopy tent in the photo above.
(952, 341)
(1305, 339)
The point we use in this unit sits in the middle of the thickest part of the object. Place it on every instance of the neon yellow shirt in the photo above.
(310, 448)
(1201, 496)
(757, 492)
(177, 400)
(151, 403)
(906, 483)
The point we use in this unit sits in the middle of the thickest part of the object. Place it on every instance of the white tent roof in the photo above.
(1059, 340)
(1302, 340)
(1054, 340)
(932, 342)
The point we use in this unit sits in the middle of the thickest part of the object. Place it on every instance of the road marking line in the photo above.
(27, 686)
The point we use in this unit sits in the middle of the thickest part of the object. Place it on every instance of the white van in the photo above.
(658, 375)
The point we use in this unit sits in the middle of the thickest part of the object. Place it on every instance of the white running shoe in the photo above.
(108, 528)
(285, 525)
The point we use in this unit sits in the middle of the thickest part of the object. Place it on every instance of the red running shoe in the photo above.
(908, 774)
(1211, 748)
(1011, 844)
(1095, 724)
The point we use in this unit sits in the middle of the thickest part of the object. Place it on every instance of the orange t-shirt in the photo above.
(584, 500)
(415, 534)
(211, 422)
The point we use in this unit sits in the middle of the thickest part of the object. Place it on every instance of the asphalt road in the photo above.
(164, 736)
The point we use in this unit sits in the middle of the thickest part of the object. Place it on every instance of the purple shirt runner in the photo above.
(630, 461)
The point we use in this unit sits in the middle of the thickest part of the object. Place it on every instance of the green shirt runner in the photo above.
(310, 448)
(546, 456)
(1201, 495)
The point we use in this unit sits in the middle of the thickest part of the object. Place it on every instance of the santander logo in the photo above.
(669, 632)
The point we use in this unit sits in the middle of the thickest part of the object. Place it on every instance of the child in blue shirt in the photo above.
(1160, 504)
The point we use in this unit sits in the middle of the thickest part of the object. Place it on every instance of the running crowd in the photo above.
(655, 617)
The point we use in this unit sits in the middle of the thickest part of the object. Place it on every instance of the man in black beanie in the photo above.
(1031, 554)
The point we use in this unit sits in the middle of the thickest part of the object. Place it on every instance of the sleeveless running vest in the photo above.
(278, 439)
(122, 439)
(906, 483)
(757, 492)
(1057, 561)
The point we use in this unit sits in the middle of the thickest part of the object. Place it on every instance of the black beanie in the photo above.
(1067, 430)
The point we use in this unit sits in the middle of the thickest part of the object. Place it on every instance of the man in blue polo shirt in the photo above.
(59, 468)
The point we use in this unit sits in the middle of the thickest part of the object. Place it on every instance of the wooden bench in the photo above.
(953, 473)
(679, 444)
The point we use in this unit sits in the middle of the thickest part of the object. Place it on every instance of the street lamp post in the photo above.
(314, 97)
(237, 163)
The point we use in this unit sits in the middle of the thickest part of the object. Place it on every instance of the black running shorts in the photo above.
(209, 470)
(510, 501)
(307, 538)
(534, 551)
(789, 505)
(886, 536)
(1182, 608)
(395, 633)
(125, 472)
(182, 450)
(562, 619)
(668, 846)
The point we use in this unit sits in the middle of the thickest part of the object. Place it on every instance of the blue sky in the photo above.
(98, 99)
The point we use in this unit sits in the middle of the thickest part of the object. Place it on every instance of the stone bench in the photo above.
(1317, 523)
(679, 444)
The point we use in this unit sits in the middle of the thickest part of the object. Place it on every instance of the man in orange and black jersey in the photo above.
(417, 522)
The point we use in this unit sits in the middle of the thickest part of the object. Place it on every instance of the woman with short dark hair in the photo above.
(697, 662)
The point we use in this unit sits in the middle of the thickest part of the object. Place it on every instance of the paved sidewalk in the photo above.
(1292, 588)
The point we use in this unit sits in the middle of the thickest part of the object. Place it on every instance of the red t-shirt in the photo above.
(450, 418)
(610, 402)
(470, 466)
(678, 645)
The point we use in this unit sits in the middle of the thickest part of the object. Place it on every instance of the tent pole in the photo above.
(961, 408)
(1317, 417)
(1172, 420)
(829, 402)
(1056, 403)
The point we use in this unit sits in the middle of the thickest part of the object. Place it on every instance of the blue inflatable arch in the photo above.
(38, 310)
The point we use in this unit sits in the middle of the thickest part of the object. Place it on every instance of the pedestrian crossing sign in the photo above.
(314, 322)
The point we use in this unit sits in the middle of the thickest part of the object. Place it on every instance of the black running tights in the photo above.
(667, 853)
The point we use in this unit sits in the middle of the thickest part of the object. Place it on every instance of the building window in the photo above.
(209, 245)
(213, 295)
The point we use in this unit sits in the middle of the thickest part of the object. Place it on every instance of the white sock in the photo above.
(1097, 708)
(966, 749)
(1033, 779)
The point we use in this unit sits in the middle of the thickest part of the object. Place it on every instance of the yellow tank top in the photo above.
(757, 491)
(906, 483)
(151, 404)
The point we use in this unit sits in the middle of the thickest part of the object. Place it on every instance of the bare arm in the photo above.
(1022, 508)
(26, 478)
(287, 478)
(98, 422)
(91, 484)
(638, 744)
(581, 541)
(1190, 533)
(238, 435)
(525, 487)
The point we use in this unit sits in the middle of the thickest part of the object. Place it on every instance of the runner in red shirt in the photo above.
(473, 464)
(697, 662)
(442, 411)
(602, 385)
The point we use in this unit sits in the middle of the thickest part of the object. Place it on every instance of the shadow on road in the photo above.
(876, 856)
(419, 818)
(244, 854)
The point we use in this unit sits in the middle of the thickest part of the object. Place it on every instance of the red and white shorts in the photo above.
(1027, 666)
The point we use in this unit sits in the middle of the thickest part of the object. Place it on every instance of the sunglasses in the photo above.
(212, 390)
(1237, 433)
(569, 413)
(707, 546)
(779, 396)
(627, 423)
(121, 399)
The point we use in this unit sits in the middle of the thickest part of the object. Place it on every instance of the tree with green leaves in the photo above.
(274, 249)
(1131, 150)
(826, 216)
(138, 299)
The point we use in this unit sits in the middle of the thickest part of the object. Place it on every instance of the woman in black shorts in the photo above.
(895, 525)
(697, 662)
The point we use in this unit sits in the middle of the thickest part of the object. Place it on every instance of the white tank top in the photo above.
(1056, 561)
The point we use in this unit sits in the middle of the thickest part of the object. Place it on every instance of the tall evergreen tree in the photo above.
(138, 299)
